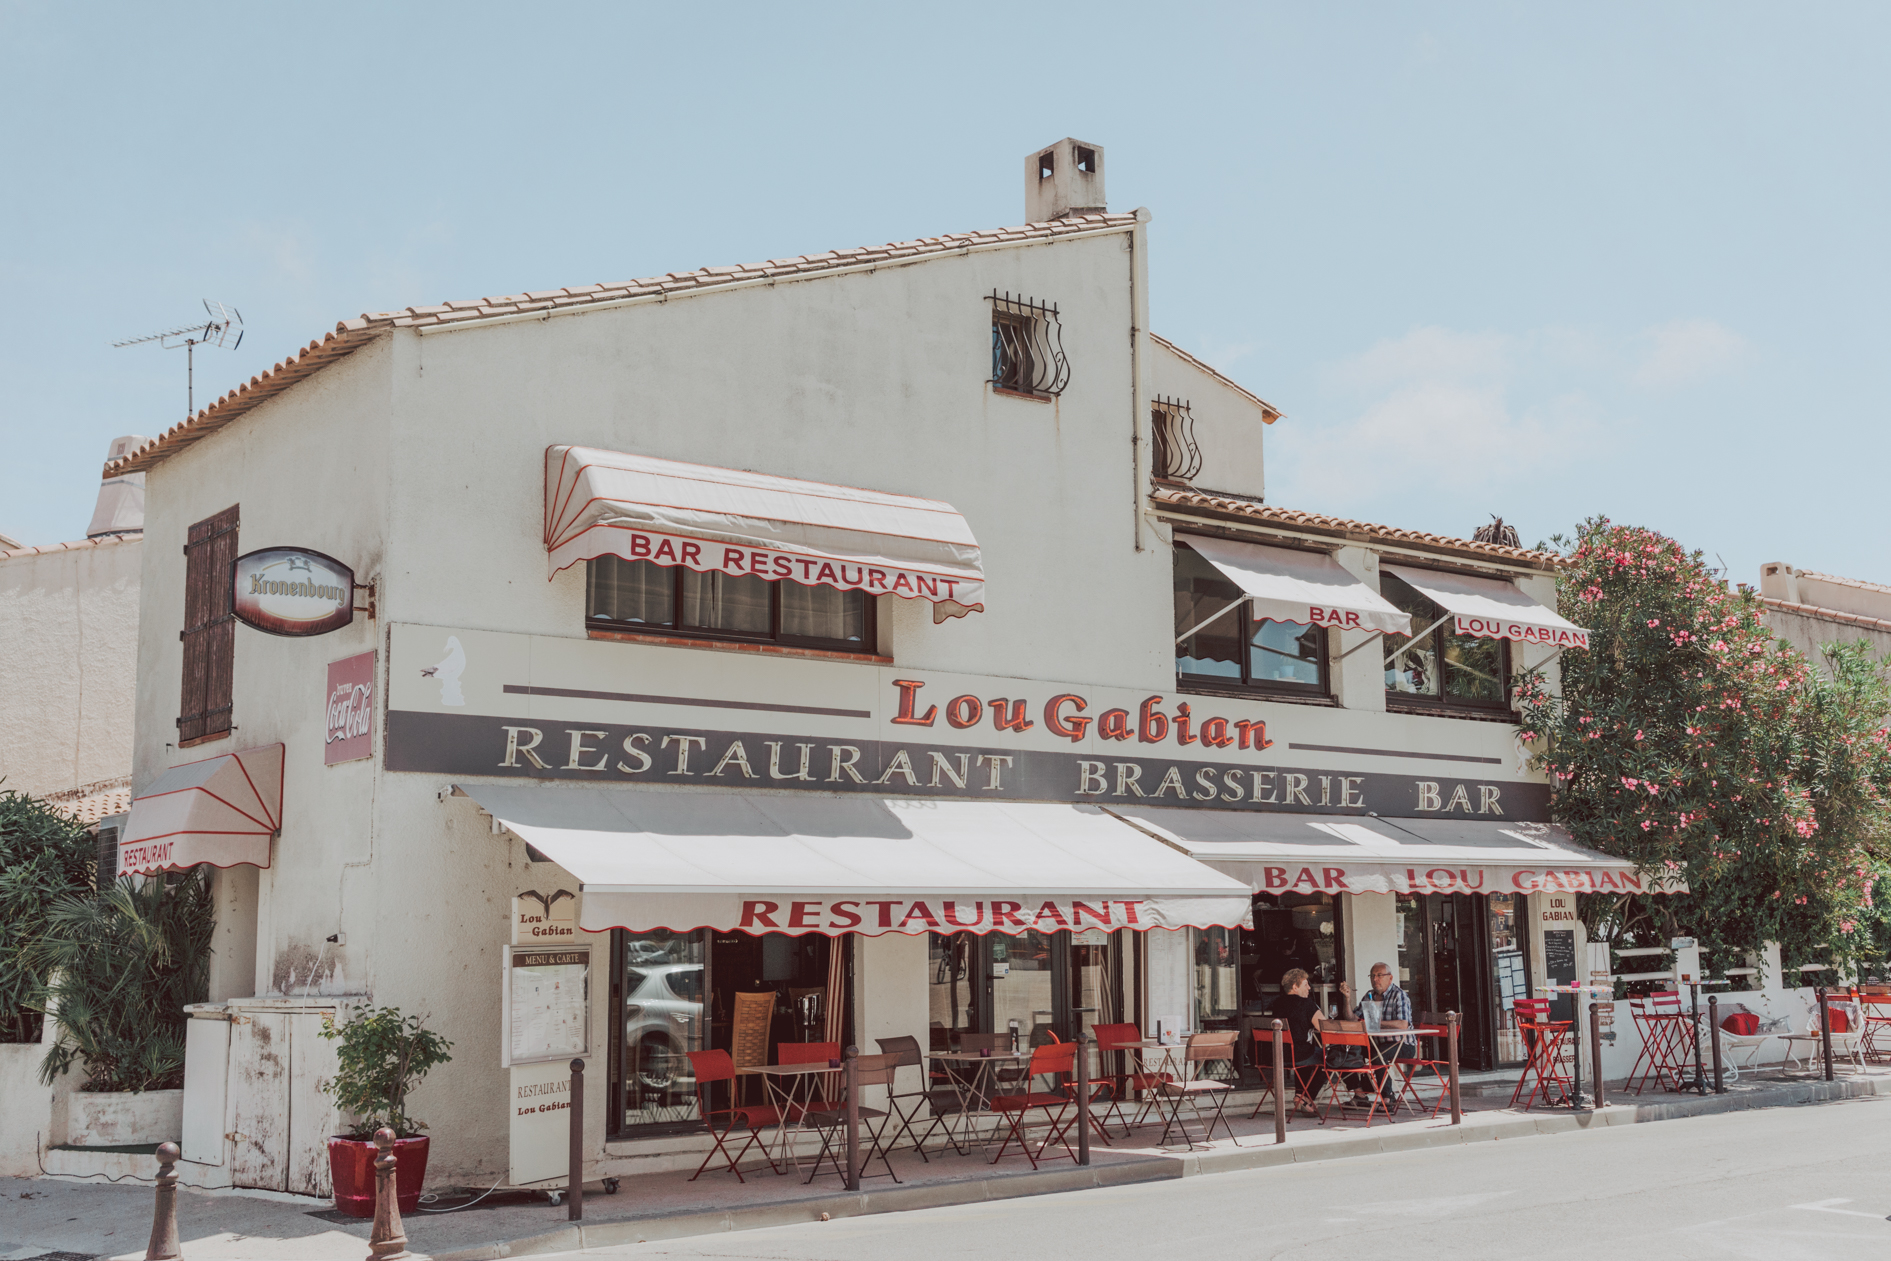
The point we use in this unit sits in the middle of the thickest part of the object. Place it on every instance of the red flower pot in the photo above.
(351, 1166)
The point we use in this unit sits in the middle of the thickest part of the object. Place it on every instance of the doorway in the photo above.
(1464, 952)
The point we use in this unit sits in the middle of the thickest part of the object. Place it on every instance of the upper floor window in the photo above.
(1441, 667)
(1178, 458)
(1027, 347)
(642, 597)
(1219, 641)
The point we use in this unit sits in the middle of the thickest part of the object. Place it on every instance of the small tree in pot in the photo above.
(382, 1057)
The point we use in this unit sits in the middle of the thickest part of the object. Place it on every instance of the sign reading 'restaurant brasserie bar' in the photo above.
(481, 703)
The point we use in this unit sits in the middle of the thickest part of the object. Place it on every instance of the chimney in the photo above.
(1063, 180)
(120, 507)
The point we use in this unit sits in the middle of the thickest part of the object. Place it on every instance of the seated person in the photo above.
(1394, 1008)
(1301, 1011)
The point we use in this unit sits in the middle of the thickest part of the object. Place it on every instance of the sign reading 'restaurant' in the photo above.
(488, 704)
(293, 591)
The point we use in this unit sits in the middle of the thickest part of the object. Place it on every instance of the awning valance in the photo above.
(1285, 584)
(1328, 853)
(729, 521)
(804, 864)
(222, 811)
(1492, 608)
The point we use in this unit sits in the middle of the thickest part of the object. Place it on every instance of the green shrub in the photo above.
(383, 1056)
(123, 965)
(43, 854)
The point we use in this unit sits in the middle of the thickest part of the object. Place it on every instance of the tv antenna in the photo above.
(214, 331)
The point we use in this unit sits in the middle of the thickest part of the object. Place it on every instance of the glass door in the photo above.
(659, 980)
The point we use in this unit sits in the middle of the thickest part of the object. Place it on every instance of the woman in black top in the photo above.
(1297, 1006)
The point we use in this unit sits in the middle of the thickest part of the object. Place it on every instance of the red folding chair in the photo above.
(1876, 1006)
(1543, 1049)
(1054, 1060)
(1410, 1069)
(715, 1066)
(1673, 1033)
(1134, 1079)
(1301, 1075)
(1342, 1077)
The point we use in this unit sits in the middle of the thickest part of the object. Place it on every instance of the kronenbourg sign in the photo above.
(293, 591)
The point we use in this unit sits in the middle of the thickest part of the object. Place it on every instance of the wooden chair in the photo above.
(715, 1066)
(748, 1036)
(1202, 1051)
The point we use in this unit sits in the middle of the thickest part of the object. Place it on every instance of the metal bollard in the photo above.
(164, 1245)
(1083, 1097)
(574, 1173)
(1713, 1032)
(1451, 1054)
(1595, 1051)
(389, 1237)
(851, 1081)
(1280, 1086)
(1825, 1031)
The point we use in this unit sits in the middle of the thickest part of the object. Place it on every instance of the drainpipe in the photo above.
(1138, 363)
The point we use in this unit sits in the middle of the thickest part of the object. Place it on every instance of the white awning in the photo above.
(1492, 608)
(1284, 584)
(1334, 853)
(222, 811)
(813, 864)
(728, 521)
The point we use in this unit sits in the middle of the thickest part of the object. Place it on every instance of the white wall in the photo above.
(69, 626)
(1228, 425)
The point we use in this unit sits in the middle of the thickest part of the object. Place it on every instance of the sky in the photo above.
(1540, 261)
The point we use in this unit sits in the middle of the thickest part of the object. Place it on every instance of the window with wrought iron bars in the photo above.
(1027, 348)
(1178, 458)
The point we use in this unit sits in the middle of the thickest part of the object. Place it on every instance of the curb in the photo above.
(632, 1230)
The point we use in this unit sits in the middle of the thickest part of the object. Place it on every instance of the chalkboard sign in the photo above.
(1559, 961)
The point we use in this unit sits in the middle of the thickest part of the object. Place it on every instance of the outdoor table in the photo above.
(975, 1088)
(790, 1088)
(1166, 1064)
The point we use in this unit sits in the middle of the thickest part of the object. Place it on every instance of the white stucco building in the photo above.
(744, 628)
(69, 623)
(1810, 610)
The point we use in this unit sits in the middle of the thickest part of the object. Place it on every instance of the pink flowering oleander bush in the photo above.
(1688, 738)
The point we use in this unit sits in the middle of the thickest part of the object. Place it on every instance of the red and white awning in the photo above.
(1491, 608)
(729, 521)
(1336, 853)
(1285, 584)
(222, 811)
(755, 863)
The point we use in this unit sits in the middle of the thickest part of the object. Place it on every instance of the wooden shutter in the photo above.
(209, 632)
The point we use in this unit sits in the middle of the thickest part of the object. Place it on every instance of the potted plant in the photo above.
(382, 1057)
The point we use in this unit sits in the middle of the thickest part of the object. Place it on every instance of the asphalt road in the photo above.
(1782, 1184)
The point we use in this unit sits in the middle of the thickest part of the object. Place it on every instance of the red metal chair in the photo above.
(1543, 1050)
(1301, 1075)
(1053, 1060)
(1409, 1069)
(1875, 1003)
(1369, 1077)
(1126, 1039)
(1672, 1030)
(715, 1066)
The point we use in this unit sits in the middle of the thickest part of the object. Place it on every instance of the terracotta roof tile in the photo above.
(104, 540)
(350, 335)
(1823, 614)
(1247, 509)
(89, 803)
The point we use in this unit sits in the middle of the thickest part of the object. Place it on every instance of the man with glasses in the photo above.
(1385, 1004)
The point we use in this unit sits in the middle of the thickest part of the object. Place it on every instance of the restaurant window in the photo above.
(1441, 667)
(674, 993)
(209, 634)
(1223, 645)
(1031, 984)
(1027, 349)
(641, 597)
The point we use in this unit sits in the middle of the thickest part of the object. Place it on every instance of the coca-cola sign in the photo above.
(350, 706)
(293, 591)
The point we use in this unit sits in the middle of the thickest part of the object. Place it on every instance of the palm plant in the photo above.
(123, 965)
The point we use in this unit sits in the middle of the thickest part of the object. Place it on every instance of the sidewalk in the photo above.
(43, 1216)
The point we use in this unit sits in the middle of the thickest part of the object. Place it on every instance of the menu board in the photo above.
(1559, 963)
(547, 1000)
